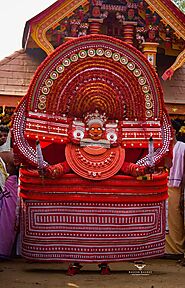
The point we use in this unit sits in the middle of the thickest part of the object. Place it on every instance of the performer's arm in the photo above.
(133, 169)
(56, 170)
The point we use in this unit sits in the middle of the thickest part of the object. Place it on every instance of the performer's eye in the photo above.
(99, 129)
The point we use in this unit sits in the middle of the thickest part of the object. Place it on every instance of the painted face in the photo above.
(3, 137)
(95, 131)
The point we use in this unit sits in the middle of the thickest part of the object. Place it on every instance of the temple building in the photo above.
(155, 27)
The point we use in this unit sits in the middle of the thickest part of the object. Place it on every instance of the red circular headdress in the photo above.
(85, 74)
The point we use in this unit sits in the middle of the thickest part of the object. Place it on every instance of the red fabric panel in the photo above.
(133, 155)
(54, 153)
(94, 198)
(72, 187)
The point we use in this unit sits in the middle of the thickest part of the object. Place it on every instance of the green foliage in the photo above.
(180, 4)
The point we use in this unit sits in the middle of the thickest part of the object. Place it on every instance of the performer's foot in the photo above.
(73, 269)
(181, 262)
(104, 269)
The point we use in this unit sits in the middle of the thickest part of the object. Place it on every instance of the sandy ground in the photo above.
(18, 273)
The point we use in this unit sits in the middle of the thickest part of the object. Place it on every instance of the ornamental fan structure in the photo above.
(90, 77)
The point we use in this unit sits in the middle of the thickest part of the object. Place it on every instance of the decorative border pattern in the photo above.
(92, 232)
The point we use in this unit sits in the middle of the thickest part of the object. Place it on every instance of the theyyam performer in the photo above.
(91, 188)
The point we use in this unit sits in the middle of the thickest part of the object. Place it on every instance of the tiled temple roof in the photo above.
(16, 72)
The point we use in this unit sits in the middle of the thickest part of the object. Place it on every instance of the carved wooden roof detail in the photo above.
(39, 29)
